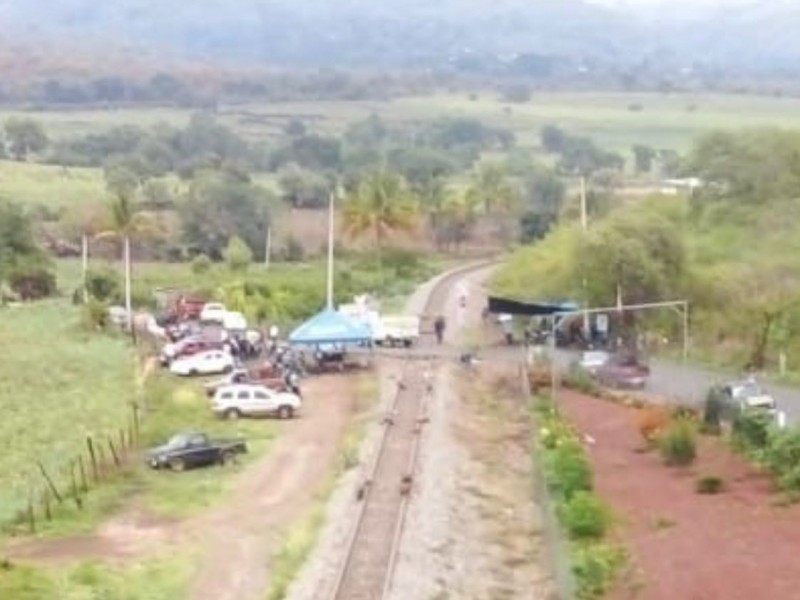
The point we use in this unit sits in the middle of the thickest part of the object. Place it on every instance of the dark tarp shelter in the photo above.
(530, 309)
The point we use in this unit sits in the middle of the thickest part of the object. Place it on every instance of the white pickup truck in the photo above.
(396, 330)
(387, 330)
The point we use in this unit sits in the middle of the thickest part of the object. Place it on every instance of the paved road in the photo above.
(687, 385)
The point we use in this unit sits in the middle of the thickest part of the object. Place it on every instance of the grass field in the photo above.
(664, 121)
(57, 385)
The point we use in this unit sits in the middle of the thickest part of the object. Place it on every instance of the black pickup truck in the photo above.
(189, 450)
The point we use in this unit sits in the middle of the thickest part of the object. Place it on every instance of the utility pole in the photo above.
(85, 266)
(268, 247)
(330, 247)
(584, 227)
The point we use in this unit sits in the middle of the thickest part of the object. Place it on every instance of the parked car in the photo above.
(235, 376)
(247, 400)
(189, 450)
(592, 360)
(210, 362)
(623, 372)
(187, 347)
(749, 395)
(234, 321)
(213, 312)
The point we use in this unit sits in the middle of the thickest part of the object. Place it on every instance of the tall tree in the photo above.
(382, 204)
(220, 205)
(643, 157)
(641, 254)
(492, 192)
(491, 189)
(125, 223)
(25, 136)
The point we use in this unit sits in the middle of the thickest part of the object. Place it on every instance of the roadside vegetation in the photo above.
(727, 248)
(595, 559)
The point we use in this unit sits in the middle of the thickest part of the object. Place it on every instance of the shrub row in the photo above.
(756, 434)
(583, 516)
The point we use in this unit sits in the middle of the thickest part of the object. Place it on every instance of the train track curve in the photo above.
(369, 557)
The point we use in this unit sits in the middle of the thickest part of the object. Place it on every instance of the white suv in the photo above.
(244, 400)
(210, 362)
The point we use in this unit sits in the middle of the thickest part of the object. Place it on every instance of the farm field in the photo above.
(57, 386)
(616, 120)
(658, 120)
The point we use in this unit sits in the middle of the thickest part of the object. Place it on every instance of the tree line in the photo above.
(729, 248)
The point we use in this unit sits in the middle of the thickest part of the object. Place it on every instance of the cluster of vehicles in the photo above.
(259, 379)
(626, 372)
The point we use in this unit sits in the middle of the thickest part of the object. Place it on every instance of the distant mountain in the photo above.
(323, 32)
(737, 35)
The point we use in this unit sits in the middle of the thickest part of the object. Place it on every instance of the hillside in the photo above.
(318, 32)
(579, 40)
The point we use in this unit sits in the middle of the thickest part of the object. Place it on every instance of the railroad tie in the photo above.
(406, 485)
(362, 490)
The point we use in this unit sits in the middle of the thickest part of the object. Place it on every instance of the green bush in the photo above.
(569, 470)
(713, 411)
(95, 315)
(677, 443)
(238, 255)
(581, 380)
(201, 264)
(32, 282)
(781, 455)
(595, 567)
(104, 285)
(294, 250)
(709, 484)
(789, 479)
(751, 430)
(585, 516)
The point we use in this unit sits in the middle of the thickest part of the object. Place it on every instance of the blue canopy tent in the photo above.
(330, 328)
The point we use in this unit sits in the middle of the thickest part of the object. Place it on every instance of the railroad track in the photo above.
(369, 558)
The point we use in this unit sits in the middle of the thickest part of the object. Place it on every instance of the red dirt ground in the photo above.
(685, 546)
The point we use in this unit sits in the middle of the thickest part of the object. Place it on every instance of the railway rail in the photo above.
(370, 555)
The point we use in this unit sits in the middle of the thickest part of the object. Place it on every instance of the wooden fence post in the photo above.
(113, 452)
(47, 513)
(50, 483)
(95, 469)
(136, 421)
(31, 513)
(84, 482)
(75, 494)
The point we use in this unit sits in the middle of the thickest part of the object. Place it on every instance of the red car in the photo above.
(623, 372)
(187, 347)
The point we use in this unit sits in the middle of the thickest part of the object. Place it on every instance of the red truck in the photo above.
(267, 375)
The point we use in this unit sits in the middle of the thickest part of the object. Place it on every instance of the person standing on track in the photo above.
(439, 326)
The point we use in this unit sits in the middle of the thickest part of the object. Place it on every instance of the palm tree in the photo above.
(491, 189)
(433, 197)
(382, 204)
(126, 222)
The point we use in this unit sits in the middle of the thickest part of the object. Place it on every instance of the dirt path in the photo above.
(737, 545)
(234, 540)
